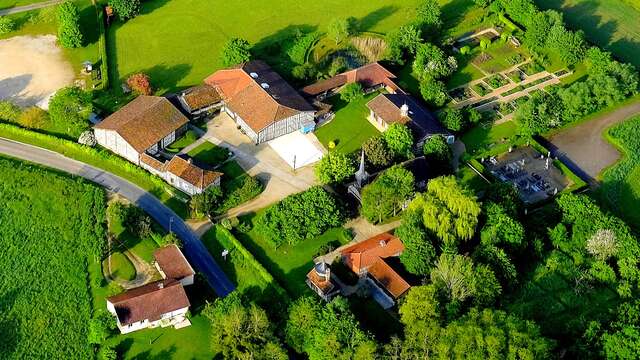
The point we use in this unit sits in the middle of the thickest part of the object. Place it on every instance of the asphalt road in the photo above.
(19, 9)
(194, 249)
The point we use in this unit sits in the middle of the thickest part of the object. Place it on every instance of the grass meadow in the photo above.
(611, 24)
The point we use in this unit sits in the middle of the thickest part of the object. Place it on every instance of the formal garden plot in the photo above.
(496, 81)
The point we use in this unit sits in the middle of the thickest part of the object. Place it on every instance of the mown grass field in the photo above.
(178, 42)
(611, 24)
(350, 127)
(53, 230)
(621, 183)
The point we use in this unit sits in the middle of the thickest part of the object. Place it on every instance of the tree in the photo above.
(334, 168)
(377, 152)
(386, 196)
(352, 92)
(419, 252)
(449, 210)
(206, 202)
(242, 331)
(9, 111)
(7, 25)
(420, 313)
(404, 39)
(399, 139)
(453, 275)
(100, 327)
(236, 51)
(107, 352)
(33, 118)
(126, 9)
(340, 29)
(305, 71)
(140, 84)
(437, 151)
(300, 216)
(434, 92)
(491, 334)
(473, 116)
(69, 33)
(500, 228)
(431, 62)
(70, 108)
(539, 114)
(329, 331)
(452, 119)
(428, 13)
(569, 45)
(603, 244)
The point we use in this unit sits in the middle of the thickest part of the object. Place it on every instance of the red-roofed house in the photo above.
(160, 303)
(371, 76)
(367, 259)
(261, 102)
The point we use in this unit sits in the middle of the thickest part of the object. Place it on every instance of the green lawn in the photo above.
(621, 183)
(612, 24)
(482, 137)
(350, 127)
(176, 56)
(182, 142)
(121, 267)
(209, 153)
(290, 264)
(471, 179)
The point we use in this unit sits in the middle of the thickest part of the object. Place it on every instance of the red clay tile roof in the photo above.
(149, 302)
(172, 262)
(387, 110)
(151, 161)
(144, 121)
(257, 106)
(368, 75)
(362, 255)
(319, 281)
(388, 278)
(201, 96)
(191, 173)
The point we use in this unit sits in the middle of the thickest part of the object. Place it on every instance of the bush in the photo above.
(298, 50)
(70, 108)
(304, 72)
(338, 65)
(434, 92)
(340, 29)
(33, 118)
(236, 51)
(452, 119)
(9, 111)
(239, 191)
(140, 84)
(126, 9)
(465, 50)
(352, 92)
(69, 33)
(6, 25)
(335, 168)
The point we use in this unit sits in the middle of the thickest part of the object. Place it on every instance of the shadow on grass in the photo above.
(370, 20)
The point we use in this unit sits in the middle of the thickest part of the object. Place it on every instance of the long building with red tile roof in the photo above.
(369, 76)
(260, 101)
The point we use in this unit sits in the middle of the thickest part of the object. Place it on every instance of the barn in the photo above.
(261, 102)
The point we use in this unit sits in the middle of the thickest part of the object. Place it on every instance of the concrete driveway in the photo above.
(260, 161)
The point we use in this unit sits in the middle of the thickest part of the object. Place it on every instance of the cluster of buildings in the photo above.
(161, 303)
(263, 106)
(370, 261)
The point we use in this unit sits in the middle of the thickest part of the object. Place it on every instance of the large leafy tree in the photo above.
(69, 34)
(69, 109)
(419, 252)
(335, 167)
(386, 196)
(432, 63)
(401, 41)
(300, 216)
(449, 210)
(399, 139)
(437, 152)
(452, 119)
(328, 331)
(240, 331)
(377, 152)
(236, 51)
(434, 92)
(428, 13)
(126, 9)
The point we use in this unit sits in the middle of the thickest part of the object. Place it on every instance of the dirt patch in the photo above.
(31, 69)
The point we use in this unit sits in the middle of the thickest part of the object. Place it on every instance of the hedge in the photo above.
(102, 46)
(229, 240)
(99, 158)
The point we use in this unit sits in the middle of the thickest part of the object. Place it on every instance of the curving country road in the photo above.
(193, 248)
(19, 9)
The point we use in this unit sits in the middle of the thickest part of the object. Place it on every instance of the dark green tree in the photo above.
(70, 108)
(399, 139)
(235, 51)
(352, 92)
(69, 34)
(126, 9)
(377, 152)
(386, 196)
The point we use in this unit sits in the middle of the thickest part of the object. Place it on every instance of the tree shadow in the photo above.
(89, 25)
(11, 89)
(8, 324)
(161, 355)
(453, 12)
(272, 48)
(150, 6)
(165, 78)
(372, 19)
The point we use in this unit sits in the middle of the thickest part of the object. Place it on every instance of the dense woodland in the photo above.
(52, 229)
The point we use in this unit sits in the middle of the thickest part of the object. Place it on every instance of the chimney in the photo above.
(161, 285)
(190, 160)
(383, 243)
(404, 110)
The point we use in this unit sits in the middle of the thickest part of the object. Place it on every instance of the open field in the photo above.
(611, 24)
(177, 56)
(53, 230)
(350, 127)
(621, 183)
